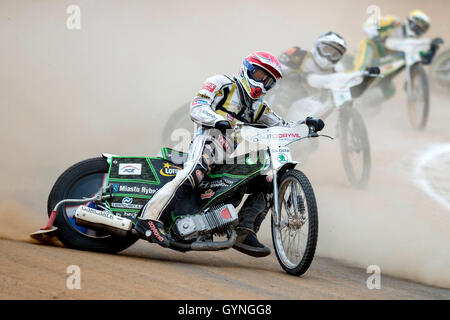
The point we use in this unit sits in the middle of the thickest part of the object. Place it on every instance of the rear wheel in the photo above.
(419, 101)
(355, 147)
(295, 238)
(83, 179)
(178, 127)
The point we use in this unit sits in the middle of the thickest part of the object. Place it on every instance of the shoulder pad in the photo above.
(214, 84)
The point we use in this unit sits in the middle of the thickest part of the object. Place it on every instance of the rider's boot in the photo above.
(251, 216)
(153, 231)
(248, 243)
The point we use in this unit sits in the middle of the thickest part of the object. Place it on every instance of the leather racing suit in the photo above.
(220, 98)
(297, 64)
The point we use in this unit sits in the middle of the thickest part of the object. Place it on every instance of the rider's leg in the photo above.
(157, 211)
(251, 216)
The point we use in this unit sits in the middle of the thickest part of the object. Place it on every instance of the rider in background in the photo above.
(298, 63)
(372, 50)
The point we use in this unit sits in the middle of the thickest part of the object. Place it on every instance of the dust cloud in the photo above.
(67, 95)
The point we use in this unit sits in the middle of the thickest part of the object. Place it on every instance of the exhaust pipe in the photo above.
(103, 221)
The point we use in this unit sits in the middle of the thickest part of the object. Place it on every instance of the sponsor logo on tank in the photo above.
(282, 158)
(169, 170)
(126, 214)
(127, 203)
(136, 188)
(215, 184)
(130, 168)
(208, 194)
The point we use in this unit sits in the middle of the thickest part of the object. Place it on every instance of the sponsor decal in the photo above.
(199, 101)
(224, 143)
(215, 184)
(127, 200)
(209, 86)
(169, 170)
(155, 231)
(204, 96)
(219, 93)
(269, 178)
(130, 168)
(135, 189)
(199, 175)
(208, 194)
(227, 181)
(126, 205)
(105, 214)
(280, 150)
(282, 158)
(126, 215)
(288, 135)
(226, 214)
(115, 187)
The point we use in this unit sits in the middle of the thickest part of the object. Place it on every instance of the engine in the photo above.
(216, 220)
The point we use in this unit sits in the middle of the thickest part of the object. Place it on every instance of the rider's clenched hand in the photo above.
(373, 70)
(317, 124)
(222, 125)
(437, 42)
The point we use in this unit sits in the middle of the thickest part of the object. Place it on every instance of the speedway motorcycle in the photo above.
(337, 92)
(94, 204)
(406, 56)
(350, 129)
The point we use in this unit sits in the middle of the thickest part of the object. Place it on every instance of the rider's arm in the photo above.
(202, 111)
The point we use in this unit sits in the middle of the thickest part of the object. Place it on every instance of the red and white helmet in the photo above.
(259, 73)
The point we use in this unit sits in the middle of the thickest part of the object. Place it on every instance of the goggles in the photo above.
(260, 75)
(329, 51)
(416, 28)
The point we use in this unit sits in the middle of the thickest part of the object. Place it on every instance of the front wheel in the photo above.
(295, 237)
(419, 98)
(83, 180)
(355, 147)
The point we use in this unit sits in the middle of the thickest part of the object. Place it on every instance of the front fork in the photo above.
(276, 211)
(408, 82)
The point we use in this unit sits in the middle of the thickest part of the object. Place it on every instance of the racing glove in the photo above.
(317, 124)
(223, 126)
(434, 46)
(373, 70)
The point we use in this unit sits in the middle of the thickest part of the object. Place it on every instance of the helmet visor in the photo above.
(417, 27)
(329, 52)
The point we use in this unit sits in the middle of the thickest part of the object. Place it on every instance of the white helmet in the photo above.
(328, 50)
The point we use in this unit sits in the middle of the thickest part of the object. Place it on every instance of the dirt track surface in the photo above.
(70, 95)
(145, 272)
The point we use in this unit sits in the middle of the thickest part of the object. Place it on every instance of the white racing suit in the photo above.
(297, 64)
(220, 98)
